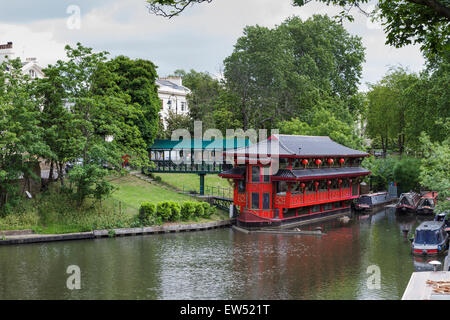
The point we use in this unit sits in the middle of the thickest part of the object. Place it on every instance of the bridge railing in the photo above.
(186, 167)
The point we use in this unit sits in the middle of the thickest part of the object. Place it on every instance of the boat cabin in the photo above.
(430, 238)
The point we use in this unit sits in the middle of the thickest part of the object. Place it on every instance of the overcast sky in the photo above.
(199, 39)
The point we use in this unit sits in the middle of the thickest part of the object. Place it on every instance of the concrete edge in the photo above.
(36, 238)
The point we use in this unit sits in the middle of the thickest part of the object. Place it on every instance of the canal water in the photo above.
(223, 264)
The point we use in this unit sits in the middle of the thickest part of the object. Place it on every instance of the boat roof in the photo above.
(300, 146)
(430, 225)
(374, 194)
(322, 173)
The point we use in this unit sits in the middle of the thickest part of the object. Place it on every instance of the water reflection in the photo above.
(222, 264)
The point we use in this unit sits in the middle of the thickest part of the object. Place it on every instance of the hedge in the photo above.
(172, 211)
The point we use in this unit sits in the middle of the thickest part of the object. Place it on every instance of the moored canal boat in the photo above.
(291, 180)
(427, 203)
(430, 239)
(408, 202)
(444, 217)
(367, 202)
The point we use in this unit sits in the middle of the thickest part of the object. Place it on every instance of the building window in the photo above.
(255, 174)
(169, 104)
(241, 186)
(266, 201)
(281, 187)
(32, 74)
(310, 187)
(255, 200)
(266, 174)
(183, 106)
(323, 186)
(315, 208)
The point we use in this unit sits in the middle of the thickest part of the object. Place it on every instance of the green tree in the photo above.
(324, 123)
(137, 79)
(285, 72)
(101, 120)
(21, 142)
(434, 168)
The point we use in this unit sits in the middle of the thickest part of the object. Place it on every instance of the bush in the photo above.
(199, 210)
(169, 210)
(187, 210)
(147, 213)
(164, 210)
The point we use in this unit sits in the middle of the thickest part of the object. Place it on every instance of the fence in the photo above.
(211, 191)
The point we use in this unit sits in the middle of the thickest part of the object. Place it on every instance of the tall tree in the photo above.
(137, 79)
(21, 142)
(287, 71)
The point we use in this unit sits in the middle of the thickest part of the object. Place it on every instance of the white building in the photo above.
(30, 66)
(173, 96)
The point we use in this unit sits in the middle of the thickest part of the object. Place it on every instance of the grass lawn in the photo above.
(133, 191)
(191, 182)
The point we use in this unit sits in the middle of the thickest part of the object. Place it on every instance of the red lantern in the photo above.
(305, 162)
(339, 181)
(330, 161)
(316, 184)
(341, 161)
(329, 182)
(318, 162)
(302, 185)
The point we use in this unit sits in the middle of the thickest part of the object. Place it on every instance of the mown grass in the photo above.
(53, 212)
(191, 182)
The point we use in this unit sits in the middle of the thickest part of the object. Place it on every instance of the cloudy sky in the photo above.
(199, 39)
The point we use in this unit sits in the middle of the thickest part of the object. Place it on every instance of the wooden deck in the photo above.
(418, 289)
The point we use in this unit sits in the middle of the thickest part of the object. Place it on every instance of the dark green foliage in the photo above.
(147, 213)
(187, 210)
(406, 174)
(169, 210)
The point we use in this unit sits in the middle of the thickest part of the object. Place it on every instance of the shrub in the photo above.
(199, 210)
(169, 210)
(176, 211)
(206, 210)
(164, 210)
(187, 210)
(147, 213)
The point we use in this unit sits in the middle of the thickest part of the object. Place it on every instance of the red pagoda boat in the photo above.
(305, 179)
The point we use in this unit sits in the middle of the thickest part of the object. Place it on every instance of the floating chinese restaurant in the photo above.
(289, 180)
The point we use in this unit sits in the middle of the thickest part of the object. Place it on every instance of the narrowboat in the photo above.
(288, 180)
(408, 202)
(367, 202)
(427, 203)
(444, 217)
(430, 239)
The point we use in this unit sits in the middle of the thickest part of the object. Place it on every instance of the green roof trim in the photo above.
(196, 143)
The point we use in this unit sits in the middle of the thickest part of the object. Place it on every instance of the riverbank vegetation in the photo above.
(54, 211)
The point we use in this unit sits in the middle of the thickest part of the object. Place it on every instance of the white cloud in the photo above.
(200, 38)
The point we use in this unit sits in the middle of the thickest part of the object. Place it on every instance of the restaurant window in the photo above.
(295, 188)
(334, 184)
(310, 187)
(255, 200)
(327, 207)
(303, 210)
(345, 184)
(284, 163)
(323, 186)
(315, 209)
(282, 187)
(241, 186)
(266, 174)
(255, 173)
(266, 201)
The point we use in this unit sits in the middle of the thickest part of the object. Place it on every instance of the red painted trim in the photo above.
(319, 177)
(231, 176)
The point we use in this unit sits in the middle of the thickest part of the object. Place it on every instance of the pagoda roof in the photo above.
(299, 146)
(322, 173)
